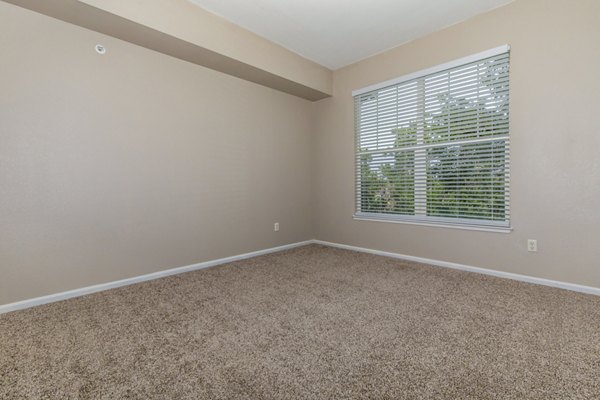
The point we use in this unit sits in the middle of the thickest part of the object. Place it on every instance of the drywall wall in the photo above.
(181, 29)
(184, 19)
(132, 162)
(555, 137)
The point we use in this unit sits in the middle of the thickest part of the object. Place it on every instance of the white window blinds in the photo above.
(435, 148)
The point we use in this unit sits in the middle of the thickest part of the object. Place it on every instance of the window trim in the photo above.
(437, 221)
(440, 222)
(438, 68)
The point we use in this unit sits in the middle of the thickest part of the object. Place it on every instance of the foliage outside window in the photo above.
(435, 149)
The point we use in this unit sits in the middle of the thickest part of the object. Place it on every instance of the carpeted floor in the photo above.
(309, 323)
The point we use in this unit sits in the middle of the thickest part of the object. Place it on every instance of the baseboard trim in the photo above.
(508, 275)
(20, 305)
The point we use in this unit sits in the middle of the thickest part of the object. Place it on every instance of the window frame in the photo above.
(489, 225)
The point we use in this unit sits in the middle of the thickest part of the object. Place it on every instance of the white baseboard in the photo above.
(508, 275)
(207, 264)
(142, 278)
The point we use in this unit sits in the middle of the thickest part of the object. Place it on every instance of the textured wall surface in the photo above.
(555, 136)
(132, 162)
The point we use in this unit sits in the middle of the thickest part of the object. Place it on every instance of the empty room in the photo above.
(277, 199)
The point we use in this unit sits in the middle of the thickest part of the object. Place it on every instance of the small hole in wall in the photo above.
(100, 49)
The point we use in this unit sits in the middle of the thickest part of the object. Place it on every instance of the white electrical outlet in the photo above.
(532, 245)
(276, 226)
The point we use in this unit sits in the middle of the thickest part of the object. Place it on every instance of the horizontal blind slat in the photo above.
(440, 141)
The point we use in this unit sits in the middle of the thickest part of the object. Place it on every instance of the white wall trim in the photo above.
(141, 278)
(438, 68)
(20, 305)
(501, 274)
(398, 220)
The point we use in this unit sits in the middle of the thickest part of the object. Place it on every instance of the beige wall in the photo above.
(183, 30)
(195, 25)
(119, 165)
(555, 183)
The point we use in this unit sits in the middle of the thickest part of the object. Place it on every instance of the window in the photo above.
(433, 147)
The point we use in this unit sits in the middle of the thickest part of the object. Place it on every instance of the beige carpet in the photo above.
(309, 323)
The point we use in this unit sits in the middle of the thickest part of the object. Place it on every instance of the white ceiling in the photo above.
(335, 33)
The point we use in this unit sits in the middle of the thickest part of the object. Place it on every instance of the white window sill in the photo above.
(495, 229)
